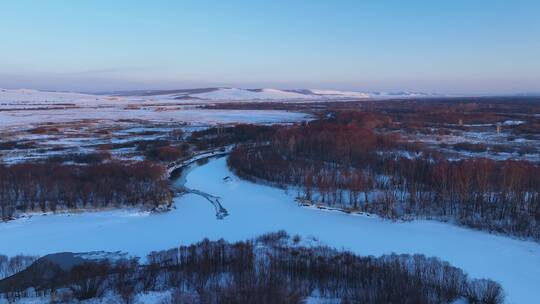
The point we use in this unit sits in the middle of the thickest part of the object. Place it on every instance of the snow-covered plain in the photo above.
(22, 96)
(191, 116)
(255, 209)
(19, 107)
(23, 108)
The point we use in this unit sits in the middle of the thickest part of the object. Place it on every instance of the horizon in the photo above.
(458, 48)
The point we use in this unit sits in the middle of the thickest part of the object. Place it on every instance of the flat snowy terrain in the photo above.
(256, 209)
(192, 116)
(24, 108)
(25, 96)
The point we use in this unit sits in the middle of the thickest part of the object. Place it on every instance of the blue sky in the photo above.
(458, 46)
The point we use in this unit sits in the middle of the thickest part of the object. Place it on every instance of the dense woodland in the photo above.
(51, 186)
(419, 115)
(217, 137)
(345, 161)
(271, 269)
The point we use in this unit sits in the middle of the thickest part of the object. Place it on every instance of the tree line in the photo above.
(344, 162)
(12, 265)
(273, 268)
(54, 186)
(222, 136)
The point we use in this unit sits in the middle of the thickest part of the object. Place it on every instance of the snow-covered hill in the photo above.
(26, 96)
(240, 94)
(247, 94)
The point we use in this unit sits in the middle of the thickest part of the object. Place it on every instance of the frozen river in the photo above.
(255, 209)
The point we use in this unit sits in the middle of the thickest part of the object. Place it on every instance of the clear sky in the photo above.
(452, 46)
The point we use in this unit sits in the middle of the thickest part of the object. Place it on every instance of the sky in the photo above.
(455, 47)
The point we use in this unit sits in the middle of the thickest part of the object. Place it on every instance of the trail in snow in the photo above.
(186, 167)
(221, 212)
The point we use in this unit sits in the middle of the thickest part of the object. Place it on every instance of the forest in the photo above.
(274, 268)
(52, 186)
(346, 161)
